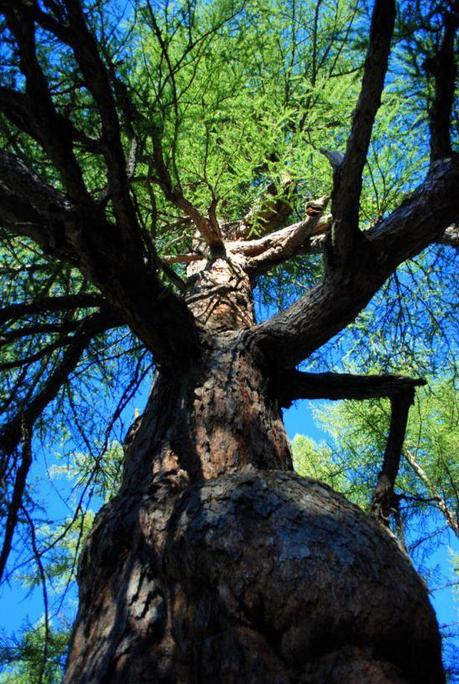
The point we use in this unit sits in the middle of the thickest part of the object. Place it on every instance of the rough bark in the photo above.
(215, 563)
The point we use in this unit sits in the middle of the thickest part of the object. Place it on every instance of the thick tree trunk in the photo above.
(216, 563)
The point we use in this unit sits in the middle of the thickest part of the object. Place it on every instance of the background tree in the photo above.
(152, 175)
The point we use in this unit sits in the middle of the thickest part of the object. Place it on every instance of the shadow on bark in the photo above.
(250, 577)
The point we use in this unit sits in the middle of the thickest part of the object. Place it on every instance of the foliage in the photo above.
(24, 661)
(429, 470)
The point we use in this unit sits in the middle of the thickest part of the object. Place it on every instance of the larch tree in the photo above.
(153, 175)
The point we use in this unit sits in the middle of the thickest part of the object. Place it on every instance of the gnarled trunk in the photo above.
(216, 563)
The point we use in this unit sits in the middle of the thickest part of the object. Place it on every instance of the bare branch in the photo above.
(281, 245)
(291, 385)
(450, 236)
(383, 501)
(18, 492)
(348, 176)
(48, 304)
(442, 66)
(436, 497)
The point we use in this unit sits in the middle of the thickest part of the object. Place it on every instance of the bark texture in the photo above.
(215, 563)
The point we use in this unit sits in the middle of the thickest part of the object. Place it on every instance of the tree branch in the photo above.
(442, 505)
(383, 500)
(11, 336)
(10, 433)
(48, 304)
(51, 129)
(208, 229)
(450, 237)
(348, 176)
(283, 244)
(30, 207)
(16, 501)
(291, 385)
(110, 255)
(289, 337)
(442, 66)
(97, 78)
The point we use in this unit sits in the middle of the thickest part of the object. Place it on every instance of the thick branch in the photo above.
(282, 244)
(291, 336)
(51, 129)
(114, 265)
(29, 206)
(442, 66)
(292, 384)
(382, 504)
(348, 176)
(24, 183)
(110, 255)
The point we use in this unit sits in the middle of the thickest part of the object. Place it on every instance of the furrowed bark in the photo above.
(214, 563)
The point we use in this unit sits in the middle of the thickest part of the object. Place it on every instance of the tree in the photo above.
(150, 178)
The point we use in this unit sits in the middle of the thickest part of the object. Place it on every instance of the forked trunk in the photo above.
(216, 563)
